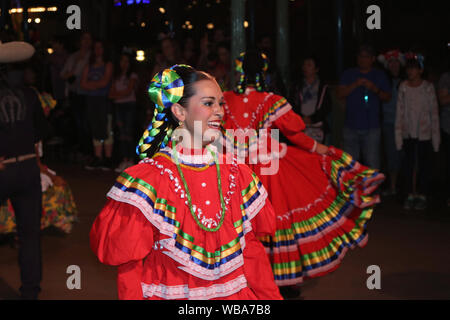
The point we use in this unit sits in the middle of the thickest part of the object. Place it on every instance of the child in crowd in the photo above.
(417, 130)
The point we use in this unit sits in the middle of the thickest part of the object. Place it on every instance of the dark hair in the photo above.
(82, 34)
(224, 45)
(212, 56)
(312, 57)
(189, 76)
(174, 43)
(253, 66)
(366, 48)
(301, 77)
(117, 68)
(105, 56)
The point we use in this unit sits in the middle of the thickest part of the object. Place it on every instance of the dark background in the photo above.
(406, 24)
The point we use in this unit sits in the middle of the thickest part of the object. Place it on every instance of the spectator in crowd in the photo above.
(417, 130)
(265, 44)
(170, 55)
(222, 70)
(189, 55)
(444, 99)
(393, 61)
(274, 81)
(364, 88)
(96, 80)
(312, 101)
(57, 61)
(219, 36)
(72, 73)
(123, 94)
(46, 100)
(206, 52)
(211, 62)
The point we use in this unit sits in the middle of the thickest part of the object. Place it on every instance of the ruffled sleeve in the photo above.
(123, 237)
(259, 211)
(290, 123)
(292, 126)
(255, 203)
(121, 234)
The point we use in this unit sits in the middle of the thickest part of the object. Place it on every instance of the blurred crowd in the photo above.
(395, 116)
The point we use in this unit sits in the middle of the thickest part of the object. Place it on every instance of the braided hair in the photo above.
(173, 85)
(252, 66)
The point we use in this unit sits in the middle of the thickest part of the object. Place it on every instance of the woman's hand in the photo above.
(321, 148)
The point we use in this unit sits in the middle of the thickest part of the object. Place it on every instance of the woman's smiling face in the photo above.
(204, 112)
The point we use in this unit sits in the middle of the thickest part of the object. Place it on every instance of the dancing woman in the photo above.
(182, 224)
(322, 198)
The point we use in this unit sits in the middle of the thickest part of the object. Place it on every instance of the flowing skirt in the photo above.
(322, 203)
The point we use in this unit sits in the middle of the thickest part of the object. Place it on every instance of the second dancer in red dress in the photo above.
(322, 198)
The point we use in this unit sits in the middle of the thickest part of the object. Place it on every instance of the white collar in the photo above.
(192, 156)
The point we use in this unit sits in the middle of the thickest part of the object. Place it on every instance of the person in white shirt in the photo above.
(417, 131)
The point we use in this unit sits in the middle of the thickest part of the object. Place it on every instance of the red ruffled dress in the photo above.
(322, 202)
(146, 229)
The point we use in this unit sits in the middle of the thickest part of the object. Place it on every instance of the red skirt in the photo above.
(322, 203)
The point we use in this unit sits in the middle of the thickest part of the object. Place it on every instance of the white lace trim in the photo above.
(204, 158)
(137, 201)
(200, 293)
(169, 230)
(257, 204)
(198, 271)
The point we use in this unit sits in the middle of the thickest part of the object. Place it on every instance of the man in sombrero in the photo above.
(19, 172)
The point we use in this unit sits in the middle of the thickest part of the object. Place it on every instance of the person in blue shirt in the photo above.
(364, 89)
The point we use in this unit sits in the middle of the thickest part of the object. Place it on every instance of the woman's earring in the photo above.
(177, 134)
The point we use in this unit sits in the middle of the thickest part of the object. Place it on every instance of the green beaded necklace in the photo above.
(219, 183)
